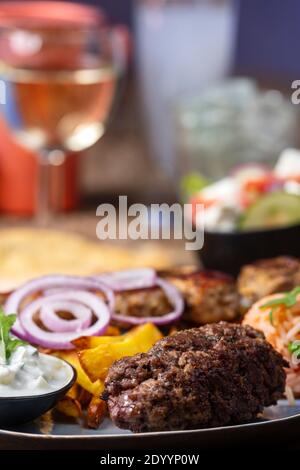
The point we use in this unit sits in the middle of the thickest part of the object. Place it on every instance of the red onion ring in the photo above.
(139, 278)
(48, 339)
(50, 319)
(175, 299)
(12, 304)
(73, 294)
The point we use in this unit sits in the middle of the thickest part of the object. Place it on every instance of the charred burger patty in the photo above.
(215, 375)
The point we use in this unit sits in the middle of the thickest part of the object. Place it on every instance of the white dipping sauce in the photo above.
(27, 373)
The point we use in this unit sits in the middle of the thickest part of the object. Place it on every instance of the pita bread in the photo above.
(28, 253)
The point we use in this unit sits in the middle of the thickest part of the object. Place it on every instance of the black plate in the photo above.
(278, 423)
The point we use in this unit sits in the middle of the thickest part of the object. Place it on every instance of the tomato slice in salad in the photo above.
(254, 188)
(195, 200)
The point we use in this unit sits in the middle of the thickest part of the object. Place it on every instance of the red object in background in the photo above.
(50, 12)
(19, 167)
(18, 178)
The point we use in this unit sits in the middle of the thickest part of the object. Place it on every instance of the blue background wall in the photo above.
(268, 34)
(269, 38)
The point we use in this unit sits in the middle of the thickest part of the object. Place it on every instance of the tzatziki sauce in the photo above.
(28, 372)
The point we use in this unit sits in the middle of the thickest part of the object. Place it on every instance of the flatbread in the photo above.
(28, 253)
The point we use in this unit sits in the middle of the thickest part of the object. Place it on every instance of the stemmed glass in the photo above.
(60, 67)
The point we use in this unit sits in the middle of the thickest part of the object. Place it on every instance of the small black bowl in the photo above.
(228, 252)
(20, 410)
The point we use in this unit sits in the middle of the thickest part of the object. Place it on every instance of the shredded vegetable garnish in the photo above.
(289, 299)
(294, 347)
(278, 317)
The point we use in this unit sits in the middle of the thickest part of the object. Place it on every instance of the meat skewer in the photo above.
(268, 276)
(209, 297)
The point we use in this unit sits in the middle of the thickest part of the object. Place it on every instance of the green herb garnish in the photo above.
(7, 343)
(289, 300)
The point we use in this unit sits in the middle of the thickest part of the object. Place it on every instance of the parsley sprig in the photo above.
(289, 300)
(8, 344)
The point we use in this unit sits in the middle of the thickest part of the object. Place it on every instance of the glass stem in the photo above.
(50, 190)
(43, 190)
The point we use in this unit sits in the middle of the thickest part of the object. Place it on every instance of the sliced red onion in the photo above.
(83, 316)
(45, 283)
(130, 279)
(48, 339)
(55, 290)
(175, 299)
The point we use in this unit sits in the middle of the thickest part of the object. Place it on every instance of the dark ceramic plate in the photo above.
(278, 423)
(228, 252)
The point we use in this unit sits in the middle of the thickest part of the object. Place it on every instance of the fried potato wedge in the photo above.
(73, 392)
(94, 388)
(96, 361)
(89, 342)
(112, 331)
(70, 407)
(84, 397)
(96, 412)
(113, 335)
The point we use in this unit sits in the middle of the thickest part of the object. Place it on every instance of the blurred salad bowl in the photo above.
(252, 213)
(229, 251)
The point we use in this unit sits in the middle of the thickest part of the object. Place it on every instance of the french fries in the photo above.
(113, 331)
(69, 407)
(73, 392)
(96, 361)
(90, 342)
(95, 413)
(84, 397)
(94, 388)
(91, 359)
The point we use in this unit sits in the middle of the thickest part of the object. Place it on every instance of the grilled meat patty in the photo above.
(209, 297)
(215, 375)
(268, 276)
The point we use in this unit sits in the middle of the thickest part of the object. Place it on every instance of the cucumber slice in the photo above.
(273, 210)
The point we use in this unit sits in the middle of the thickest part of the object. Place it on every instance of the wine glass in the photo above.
(61, 65)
